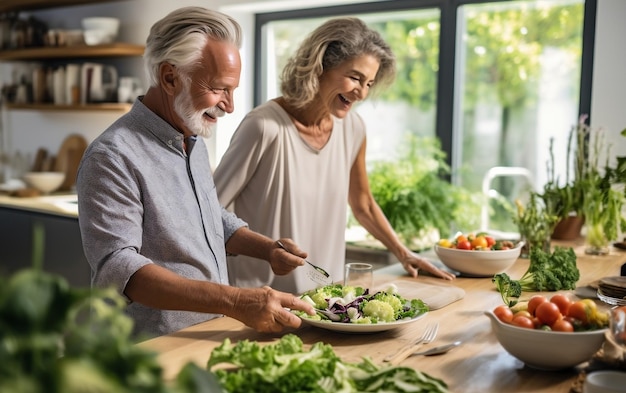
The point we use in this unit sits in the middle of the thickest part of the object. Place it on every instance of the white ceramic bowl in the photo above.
(547, 350)
(605, 381)
(474, 263)
(97, 37)
(45, 182)
(100, 29)
(106, 23)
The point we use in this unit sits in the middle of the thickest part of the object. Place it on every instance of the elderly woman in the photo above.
(295, 161)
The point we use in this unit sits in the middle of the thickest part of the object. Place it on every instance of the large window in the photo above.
(494, 81)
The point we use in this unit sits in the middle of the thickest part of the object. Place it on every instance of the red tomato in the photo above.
(535, 301)
(490, 241)
(464, 245)
(562, 301)
(503, 313)
(537, 322)
(578, 310)
(548, 313)
(575, 322)
(523, 322)
(562, 325)
(461, 238)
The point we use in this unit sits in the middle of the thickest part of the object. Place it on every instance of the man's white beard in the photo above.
(194, 120)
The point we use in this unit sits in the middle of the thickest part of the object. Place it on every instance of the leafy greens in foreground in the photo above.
(546, 272)
(285, 366)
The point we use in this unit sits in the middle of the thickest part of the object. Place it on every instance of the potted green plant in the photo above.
(565, 200)
(417, 199)
(603, 200)
(535, 223)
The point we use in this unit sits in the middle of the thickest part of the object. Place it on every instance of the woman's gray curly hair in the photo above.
(180, 37)
(332, 43)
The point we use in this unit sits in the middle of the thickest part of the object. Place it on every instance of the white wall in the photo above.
(608, 98)
(26, 131)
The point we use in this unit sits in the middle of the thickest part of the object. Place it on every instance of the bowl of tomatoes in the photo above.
(477, 255)
(550, 333)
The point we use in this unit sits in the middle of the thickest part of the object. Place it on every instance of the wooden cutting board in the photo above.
(68, 159)
(435, 295)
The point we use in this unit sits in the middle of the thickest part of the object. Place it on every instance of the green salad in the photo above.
(286, 366)
(346, 304)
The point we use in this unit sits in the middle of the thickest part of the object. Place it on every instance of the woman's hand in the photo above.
(412, 263)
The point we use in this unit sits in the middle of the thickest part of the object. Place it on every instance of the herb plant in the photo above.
(415, 196)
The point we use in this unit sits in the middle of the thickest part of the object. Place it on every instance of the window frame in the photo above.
(446, 81)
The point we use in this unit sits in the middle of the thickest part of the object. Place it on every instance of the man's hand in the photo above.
(267, 310)
(286, 256)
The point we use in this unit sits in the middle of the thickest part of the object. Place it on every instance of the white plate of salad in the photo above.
(357, 310)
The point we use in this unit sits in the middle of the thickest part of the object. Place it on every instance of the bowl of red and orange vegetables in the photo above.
(550, 332)
(477, 255)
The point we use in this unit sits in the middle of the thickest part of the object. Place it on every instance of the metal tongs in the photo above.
(315, 273)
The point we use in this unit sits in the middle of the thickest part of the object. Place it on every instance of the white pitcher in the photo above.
(98, 82)
(72, 84)
(58, 86)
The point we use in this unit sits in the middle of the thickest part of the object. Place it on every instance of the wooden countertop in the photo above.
(56, 204)
(480, 364)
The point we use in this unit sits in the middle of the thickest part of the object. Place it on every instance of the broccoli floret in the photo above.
(392, 300)
(320, 296)
(546, 272)
(508, 288)
(379, 311)
(551, 272)
(319, 299)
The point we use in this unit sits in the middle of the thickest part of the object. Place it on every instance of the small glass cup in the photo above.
(359, 274)
(617, 329)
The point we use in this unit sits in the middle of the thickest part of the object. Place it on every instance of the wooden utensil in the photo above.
(68, 159)
(40, 158)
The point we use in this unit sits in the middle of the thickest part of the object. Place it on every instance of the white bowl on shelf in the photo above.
(100, 29)
(97, 37)
(46, 182)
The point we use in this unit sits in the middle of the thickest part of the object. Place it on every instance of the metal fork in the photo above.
(319, 275)
(429, 335)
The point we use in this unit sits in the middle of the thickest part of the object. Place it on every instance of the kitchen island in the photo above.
(480, 364)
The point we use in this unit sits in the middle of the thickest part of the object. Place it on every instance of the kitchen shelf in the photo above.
(77, 51)
(105, 106)
(22, 5)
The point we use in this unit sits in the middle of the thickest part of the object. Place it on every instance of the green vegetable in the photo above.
(54, 338)
(546, 272)
(357, 305)
(286, 367)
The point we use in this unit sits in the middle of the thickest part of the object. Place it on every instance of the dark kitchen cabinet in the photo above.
(63, 252)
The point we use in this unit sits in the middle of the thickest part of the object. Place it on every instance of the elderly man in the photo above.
(150, 220)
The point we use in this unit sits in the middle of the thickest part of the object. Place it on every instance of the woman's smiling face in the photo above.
(347, 83)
